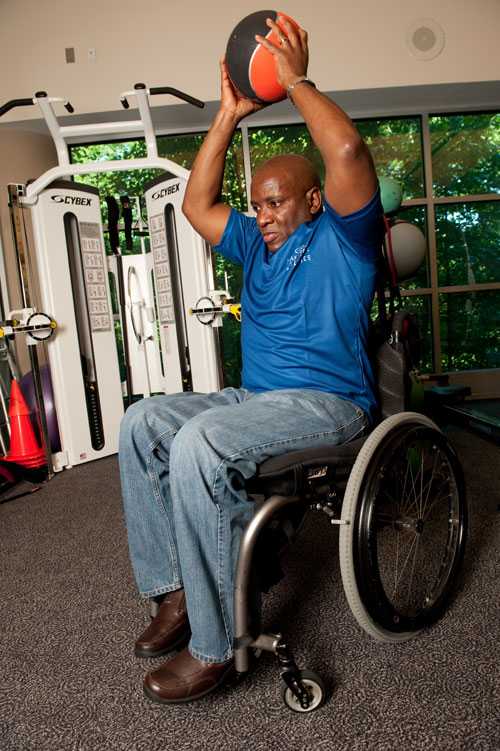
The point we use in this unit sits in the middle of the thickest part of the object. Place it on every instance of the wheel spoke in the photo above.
(412, 502)
(436, 496)
(418, 504)
(385, 517)
(413, 483)
(431, 480)
(413, 569)
(418, 507)
(385, 493)
(397, 581)
(421, 473)
(403, 493)
(436, 499)
(397, 562)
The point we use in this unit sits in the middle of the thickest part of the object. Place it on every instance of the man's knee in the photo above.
(140, 422)
(190, 438)
(199, 444)
(133, 417)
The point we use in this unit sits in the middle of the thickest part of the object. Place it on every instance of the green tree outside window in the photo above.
(465, 154)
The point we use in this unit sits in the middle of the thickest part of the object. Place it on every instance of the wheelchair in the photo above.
(397, 496)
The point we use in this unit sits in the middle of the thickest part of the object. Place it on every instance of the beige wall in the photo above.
(23, 156)
(355, 44)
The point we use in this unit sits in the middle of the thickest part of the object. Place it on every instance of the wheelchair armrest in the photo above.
(289, 474)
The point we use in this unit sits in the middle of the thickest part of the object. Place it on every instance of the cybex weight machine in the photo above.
(73, 273)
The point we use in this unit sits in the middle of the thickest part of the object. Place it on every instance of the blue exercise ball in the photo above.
(28, 389)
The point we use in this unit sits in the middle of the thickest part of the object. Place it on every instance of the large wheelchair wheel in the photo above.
(405, 520)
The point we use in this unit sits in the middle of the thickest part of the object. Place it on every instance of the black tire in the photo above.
(405, 522)
(315, 687)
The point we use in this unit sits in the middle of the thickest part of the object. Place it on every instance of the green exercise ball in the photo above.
(391, 194)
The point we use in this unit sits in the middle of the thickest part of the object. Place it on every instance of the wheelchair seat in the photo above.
(397, 496)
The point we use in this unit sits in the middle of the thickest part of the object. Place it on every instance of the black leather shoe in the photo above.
(168, 630)
(183, 678)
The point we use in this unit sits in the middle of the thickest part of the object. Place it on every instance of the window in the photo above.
(465, 154)
(468, 243)
(396, 148)
(395, 144)
(455, 201)
(470, 330)
(465, 150)
(272, 141)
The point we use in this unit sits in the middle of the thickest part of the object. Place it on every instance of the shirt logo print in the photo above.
(298, 256)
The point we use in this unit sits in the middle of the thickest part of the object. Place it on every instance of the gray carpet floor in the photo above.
(69, 615)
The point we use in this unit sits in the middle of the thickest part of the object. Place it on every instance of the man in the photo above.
(309, 277)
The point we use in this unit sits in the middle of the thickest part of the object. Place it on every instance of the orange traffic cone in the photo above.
(24, 448)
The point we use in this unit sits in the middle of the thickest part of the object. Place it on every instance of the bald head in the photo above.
(289, 168)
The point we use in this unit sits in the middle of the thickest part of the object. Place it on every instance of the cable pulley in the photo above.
(39, 326)
(206, 310)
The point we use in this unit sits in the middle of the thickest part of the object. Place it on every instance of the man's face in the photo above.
(281, 206)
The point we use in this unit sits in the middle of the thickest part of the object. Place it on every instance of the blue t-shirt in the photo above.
(305, 307)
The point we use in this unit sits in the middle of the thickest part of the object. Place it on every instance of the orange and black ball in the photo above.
(251, 67)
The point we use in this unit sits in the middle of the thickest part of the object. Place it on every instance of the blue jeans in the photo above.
(184, 459)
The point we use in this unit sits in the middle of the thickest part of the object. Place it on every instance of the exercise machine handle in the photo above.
(14, 103)
(179, 94)
(26, 102)
(162, 90)
(67, 104)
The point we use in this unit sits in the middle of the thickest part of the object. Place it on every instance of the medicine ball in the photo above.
(251, 67)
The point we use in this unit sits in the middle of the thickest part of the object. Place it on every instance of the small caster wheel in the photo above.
(315, 688)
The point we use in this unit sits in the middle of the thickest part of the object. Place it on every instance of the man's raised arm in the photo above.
(351, 179)
(202, 205)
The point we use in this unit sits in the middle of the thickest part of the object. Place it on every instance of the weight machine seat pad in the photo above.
(287, 473)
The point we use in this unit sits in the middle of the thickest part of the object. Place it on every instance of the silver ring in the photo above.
(283, 40)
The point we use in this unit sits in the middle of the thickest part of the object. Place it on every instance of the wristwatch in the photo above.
(301, 79)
